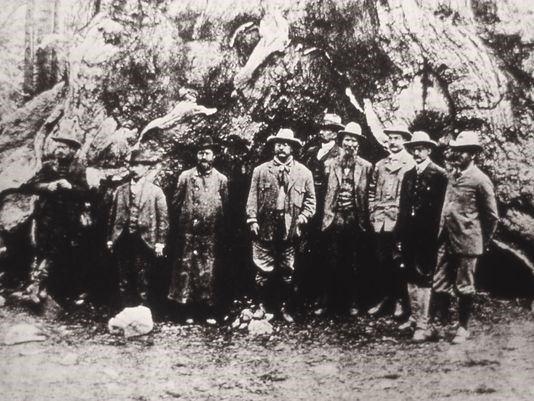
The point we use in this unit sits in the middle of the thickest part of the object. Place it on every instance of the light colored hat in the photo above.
(285, 135)
(333, 121)
(353, 129)
(72, 142)
(399, 129)
(466, 139)
(420, 138)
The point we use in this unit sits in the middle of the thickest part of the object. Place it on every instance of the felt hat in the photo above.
(285, 135)
(399, 129)
(139, 156)
(331, 120)
(466, 139)
(352, 129)
(420, 138)
(67, 140)
(207, 143)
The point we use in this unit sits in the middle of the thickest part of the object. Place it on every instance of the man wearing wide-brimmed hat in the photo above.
(345, 219)
(421, 200)
(468, 222)
(200, 202)
(324, 148)
(384, 195)
(281, 201)
(62, 189)
(137, 230)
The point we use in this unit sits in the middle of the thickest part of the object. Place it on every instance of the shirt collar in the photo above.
(203, 174)
(289, 162)
(421, 166)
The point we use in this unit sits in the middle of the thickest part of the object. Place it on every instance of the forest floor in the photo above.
(314, 359)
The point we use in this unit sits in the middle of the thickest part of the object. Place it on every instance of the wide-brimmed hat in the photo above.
(331, 120)
(420, 138)
(466, 139)
(207, 143)
(352, 129)
(67, 140)
(399, 129)
(285, 135)
(139, 156)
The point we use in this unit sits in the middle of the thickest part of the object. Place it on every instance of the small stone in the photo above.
(236, 323)
(269, 316)
(243, 326)
(260, 328)
(259, 314)
(246, 315)
(2, 301)
(132, 322)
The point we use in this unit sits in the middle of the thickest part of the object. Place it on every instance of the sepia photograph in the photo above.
(266, 200)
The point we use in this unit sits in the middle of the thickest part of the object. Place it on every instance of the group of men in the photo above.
(428, 226)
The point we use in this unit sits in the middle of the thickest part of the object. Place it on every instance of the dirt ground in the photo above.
(316, 359)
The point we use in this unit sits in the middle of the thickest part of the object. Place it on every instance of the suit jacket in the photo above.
(152, 221)
(362, 173)
(469, 213)
(384, 191)
(261, 203)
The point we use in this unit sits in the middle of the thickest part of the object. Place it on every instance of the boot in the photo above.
(422, 330)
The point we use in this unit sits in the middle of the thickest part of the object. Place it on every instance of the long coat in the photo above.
(469, 213)
(153, 221)
(261, 203)
(362, 172)
(384, 191)
(201, 202)
(421, 200)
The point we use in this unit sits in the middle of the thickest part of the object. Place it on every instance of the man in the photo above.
(421, 200)
(468, 222)
(201, 201)
(315, 254)
(62, 189)
(281, 201)
(138, 228)
(345, 217)
(384, 194)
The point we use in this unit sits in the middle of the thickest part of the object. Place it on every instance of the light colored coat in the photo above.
(469, 212)
(362, 173)
(384, 190)
(153, 221)
(261, 203)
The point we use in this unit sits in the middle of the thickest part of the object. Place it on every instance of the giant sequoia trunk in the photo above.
(438, 65)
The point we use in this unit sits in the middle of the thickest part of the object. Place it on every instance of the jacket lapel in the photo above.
(357, 173)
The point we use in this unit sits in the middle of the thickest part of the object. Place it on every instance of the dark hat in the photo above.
(139, 156)
(73, 143)
(420, 138)
(352, 129)
(285, 135)
(207, 143)
(399, 129)
(331, 120)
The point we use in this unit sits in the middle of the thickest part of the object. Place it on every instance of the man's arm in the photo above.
(252, 200)
(162, 217)
(308, 201)
(489, 214)
(372, 189)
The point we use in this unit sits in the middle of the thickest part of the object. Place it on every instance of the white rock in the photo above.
(243, 326)
(236, 323)
(246, 315)
(132, 322)
(259, 314)
(23, 333)
(2, 301)
(260, 328)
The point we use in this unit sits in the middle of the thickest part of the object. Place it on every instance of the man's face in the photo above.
(395, 142)
(64, 152)
(327, 134)
(462, 158)
(205, 159)
(350, 144)
(138, 170)
(420, 153)
(282, 150)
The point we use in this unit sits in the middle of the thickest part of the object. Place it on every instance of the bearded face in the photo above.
(205, 159)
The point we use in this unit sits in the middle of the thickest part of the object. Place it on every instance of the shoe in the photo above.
(319, 311)
(461, 336)
(354, 311)
(408, 324)
(399, 310)
(286, 316)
